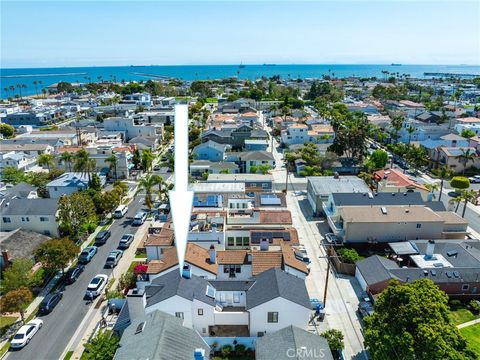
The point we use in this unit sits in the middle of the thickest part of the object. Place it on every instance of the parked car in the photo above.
(87, 254)
(97, 284)
(302, 257)
(315, 303)
(139, 218)
(332, 238)
(26, 333)
(454, 194)
(474, 179)
(73, 273)
(156, 168)
(120, 211)
(365, 308)
(49, 302)
(113, 258)
(125, 241)
(102, 237)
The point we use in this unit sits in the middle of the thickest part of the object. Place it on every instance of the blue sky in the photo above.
(71, 33)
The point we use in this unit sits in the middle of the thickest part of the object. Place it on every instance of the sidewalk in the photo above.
(91, 321)
(468, 323)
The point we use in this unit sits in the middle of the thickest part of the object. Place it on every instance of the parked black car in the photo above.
(102, 237)
(73, 273)
(49, 302)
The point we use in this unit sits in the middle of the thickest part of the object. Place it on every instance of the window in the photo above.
(265, 186)
(210, 292)
(419, 226)
(465, 287)
(200, 312)
(43, 219)
(7, 220)
(236, 297)
(226, 269)
(179, 315)
(246, 241)
(238, 241)
(25, 219)
(231, 241)
(272, 317)
(238, 269)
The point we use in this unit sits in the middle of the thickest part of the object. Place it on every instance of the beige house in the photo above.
(372, 224)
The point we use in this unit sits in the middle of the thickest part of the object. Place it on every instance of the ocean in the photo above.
(48, 76)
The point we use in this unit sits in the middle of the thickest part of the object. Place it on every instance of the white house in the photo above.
(69, 183)
(38, 215)
(18, 160)
(128, 127)
(265, 303)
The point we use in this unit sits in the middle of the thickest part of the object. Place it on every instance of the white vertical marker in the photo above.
(180, 198)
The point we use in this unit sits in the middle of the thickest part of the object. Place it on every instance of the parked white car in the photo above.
(474, 179)
(96, 286)
(26, 333)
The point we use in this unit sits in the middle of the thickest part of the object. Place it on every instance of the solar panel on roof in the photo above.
(456, 274)
(452, 252)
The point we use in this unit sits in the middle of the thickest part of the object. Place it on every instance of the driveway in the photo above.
(60, 325)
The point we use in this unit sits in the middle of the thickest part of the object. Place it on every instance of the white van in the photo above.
(140, 218)
(120, 211)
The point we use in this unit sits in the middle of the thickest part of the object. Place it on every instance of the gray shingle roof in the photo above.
(374, 269)
(211, 144)
(361, 199)
(30, 207)
(275, 283)
(171, 284)
(231, 285)
(163, 338)
(283, 345)
(324, 185)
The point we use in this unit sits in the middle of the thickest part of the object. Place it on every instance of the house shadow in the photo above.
(306, 209)
(362, 355)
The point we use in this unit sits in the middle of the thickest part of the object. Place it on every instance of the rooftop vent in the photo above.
(384, 210)
(140, 327)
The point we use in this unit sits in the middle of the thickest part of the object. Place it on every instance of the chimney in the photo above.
(213, 254)
(6, 258)
(136, 301)
(430, 248)
(264, 244)
(199, 354)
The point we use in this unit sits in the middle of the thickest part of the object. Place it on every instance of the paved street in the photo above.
(343, 291)
(60, 325)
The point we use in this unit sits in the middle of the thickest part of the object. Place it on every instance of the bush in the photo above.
(226, 350)
(455, 304)
(349, 256)
(240, 349)
(460, 182)
(474, 306)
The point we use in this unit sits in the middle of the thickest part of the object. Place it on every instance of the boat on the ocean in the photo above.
(269, 64)
(396, 64)
(241, 66)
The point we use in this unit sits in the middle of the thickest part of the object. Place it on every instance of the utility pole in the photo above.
(286, 178)
(328, 257)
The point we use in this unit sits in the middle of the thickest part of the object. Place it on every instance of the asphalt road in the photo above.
(60, 325)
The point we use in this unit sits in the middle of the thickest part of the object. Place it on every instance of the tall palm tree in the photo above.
(147, 160)
(148, 184)
(466, 196)
(431, 188)
(112, 160)
(19, 86)
(465, 157)
(83, 163)
(397, 123)
(443, 173)
(12, 89)
(67, 158)
(410, 131)
(7, 90)
(46, 160)
(35, 82)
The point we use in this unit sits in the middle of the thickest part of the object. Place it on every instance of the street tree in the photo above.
(102, 347)
(56, 254)
(12, 175)
(465, 157)
(7, 130)
(75, 211)
(67, 158)
(46, 160)
(412, 321)
(113, 161)
(147, 160)
(148, 184)
(460, 183)
(16, 301)
(378, 159)
(443, 173)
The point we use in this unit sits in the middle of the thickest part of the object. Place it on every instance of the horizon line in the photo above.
(234, 64)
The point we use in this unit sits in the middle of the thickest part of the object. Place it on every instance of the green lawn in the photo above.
(211, 100)
(462, 315)
(5, 322)
(472, 334)
(68, 355)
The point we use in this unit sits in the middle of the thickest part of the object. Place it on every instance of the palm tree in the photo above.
(35, 82)
(443, 173)
(397, 123)
(19, 86)
(46, 160)
(148, 184)
(67, 159)
(147, 160)
(12, 89)
(410, 131)
(431, 189)
(112, 159)
(164, 189)
(83, 163)
(466, 156)
(7, 90)
(466, 196)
